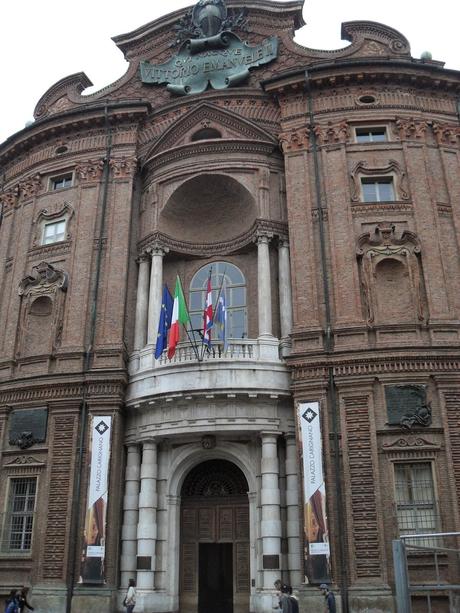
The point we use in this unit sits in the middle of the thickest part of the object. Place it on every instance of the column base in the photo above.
(93, 600)
(48, 598)
(268, 347)
(372, 598)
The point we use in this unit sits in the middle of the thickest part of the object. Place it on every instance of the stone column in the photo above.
(142, 303)
(264, 292)
(147, 525)
(292, 512)
(270, 529)
(155, 293)
(285, 295)
(130, 516)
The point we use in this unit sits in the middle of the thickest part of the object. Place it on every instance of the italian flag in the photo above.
(179, 316)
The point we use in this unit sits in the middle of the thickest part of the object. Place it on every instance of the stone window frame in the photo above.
(64, 212)
(392, 170)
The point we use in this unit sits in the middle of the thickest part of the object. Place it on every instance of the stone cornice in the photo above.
(226, 146)
(367, 366)
(47, 391)
(371, 70)
(207, 249)
(71, 121)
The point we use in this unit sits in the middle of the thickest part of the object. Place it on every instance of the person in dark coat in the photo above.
(12, 602)
(23, 604)
(329, 597)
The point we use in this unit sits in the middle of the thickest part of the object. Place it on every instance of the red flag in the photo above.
(207, 315)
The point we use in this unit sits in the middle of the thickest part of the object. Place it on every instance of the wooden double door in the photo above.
(214, 564)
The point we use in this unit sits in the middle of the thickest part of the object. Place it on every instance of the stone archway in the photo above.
(214, 534)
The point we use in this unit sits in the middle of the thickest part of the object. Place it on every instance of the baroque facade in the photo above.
(324, 187)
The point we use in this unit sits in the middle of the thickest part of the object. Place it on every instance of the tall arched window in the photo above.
(228, 278)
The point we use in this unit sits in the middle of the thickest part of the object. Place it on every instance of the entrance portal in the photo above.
(214, 540)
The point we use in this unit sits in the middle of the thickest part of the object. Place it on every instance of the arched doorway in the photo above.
(214, 565)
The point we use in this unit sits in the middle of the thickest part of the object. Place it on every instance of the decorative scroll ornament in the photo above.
(211, 55)
(25, 440)
(420, 417)
(90, 171)
(43, 280)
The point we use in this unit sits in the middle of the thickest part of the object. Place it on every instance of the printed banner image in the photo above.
(317, 551)
(93, 554)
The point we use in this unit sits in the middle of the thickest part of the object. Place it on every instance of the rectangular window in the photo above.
(17, 533)
(54, 232)
(415, 502)
(61, 182)
(371, 135)
(378, 189)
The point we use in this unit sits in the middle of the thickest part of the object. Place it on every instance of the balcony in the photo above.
(249, 366)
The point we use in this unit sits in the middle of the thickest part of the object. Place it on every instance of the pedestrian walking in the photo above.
(12, 602)
(130, 599)
(23, 604)
(329, 597)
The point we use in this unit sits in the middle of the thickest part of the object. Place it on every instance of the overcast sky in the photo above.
(43, 41)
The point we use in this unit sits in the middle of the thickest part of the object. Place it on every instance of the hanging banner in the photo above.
(92, 564)
(317, 552)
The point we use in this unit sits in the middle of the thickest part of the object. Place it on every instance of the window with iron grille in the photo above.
(416, 502)
(17, 532)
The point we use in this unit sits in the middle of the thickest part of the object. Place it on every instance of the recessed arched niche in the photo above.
(208, 208)
(393, 291)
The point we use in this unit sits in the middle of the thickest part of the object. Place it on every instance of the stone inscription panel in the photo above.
(33, 421)
(402, 400)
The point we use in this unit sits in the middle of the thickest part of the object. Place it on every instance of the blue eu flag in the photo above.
(164, 323)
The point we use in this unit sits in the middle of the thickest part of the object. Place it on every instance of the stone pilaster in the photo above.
(130, 516)
(285, 295)
(147, 525)
(292, 512)
(142, 303)
(270, 529)
(264, 286)
(155, 293)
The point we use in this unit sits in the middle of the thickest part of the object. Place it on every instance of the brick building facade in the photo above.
(324, 186)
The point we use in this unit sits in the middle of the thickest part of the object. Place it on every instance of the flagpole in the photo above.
(206, 299)
(192, 344)
(220, 290)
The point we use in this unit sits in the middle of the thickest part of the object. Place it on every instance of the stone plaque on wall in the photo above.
(404, 400)
(27, 427)
(271, 562)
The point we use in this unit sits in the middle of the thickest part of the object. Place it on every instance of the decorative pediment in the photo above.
(383, 241)
(44, 279)
(409, 442)
(23, 461)
(216, 120)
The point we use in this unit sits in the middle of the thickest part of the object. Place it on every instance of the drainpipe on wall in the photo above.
(74, 540)
(328, 343)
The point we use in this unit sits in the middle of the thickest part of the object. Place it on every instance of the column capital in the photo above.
(264, 434)
(283, 243)
(263, 237)
(143, 257)
(157, 248)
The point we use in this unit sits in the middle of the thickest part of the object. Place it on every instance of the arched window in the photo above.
(228, 278)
